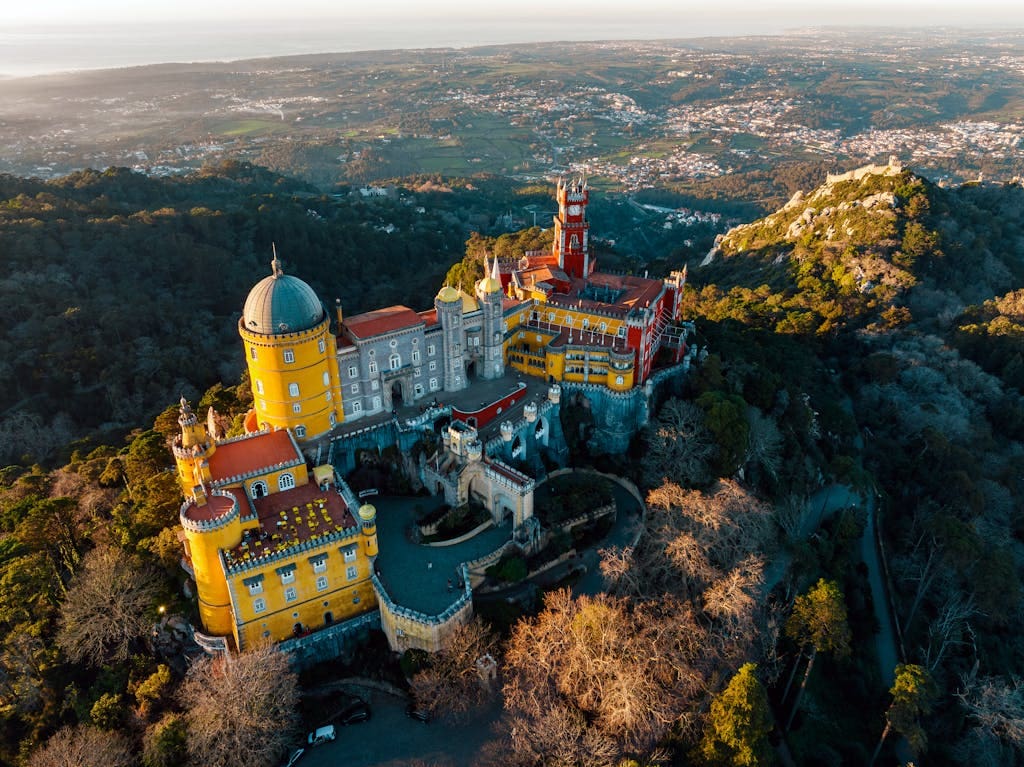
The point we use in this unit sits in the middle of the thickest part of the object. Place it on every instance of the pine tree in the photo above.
(818, 620)
(739, 723)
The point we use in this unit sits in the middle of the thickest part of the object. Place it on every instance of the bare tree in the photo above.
(997, 705)
(240, 711)
(451, 684)
(104, 615)
(679, 445)
(628, 673)
(948, 628)
(83, 746)
(764, 443)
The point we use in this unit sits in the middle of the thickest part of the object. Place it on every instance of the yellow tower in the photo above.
(211, 524)
(292, 357)
(368, 523)
(192, 450)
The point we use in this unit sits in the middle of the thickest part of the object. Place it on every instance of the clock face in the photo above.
(574, 210)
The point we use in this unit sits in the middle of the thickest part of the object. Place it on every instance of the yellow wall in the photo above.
(214, 598)
(278, 617)
(270, 376)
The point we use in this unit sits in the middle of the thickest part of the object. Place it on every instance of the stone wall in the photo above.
(337, 641)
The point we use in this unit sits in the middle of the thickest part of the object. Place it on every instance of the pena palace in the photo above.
(277, 544)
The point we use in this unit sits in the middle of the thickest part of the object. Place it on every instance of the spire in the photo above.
(495, 271)
(275, 265)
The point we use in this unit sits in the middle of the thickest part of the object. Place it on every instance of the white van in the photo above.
(322, 735)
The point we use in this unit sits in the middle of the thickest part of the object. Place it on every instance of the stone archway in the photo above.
(397, 398)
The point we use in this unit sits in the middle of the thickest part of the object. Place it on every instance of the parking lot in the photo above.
(390, 739)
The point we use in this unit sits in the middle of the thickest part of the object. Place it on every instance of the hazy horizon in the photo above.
(57, 36)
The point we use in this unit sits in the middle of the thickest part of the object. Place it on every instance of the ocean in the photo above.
(43, 50)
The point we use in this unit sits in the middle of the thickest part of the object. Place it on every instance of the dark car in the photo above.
(414, 713)
(353, 714)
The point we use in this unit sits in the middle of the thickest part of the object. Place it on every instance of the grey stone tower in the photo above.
(449, 313)
(488, 290)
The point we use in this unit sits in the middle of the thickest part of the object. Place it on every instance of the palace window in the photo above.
(327, 396)
(259, 605)
(433, 365)
(263, 404)
(396, 362)
(293, 389)
(603, 326)
(289, 355)
(433, 382)
(334, 419)
(286, 481)
(288, 576)
(375, 384)
(415, 356)
(255, 587)
(290, 594)
(350, 553)
(376, 403)
(430, 350)
(353, 371)
(373, 367)
(320, 565)
(419, 390)
(297, 407)
(258, 489)
(321, 345)
(351, 572)
(321, 583)
(357, 407)
(618, 380)
(259, 386)
(355, 388)
(586, 322)
(252, 352)
(300, 432)
(622, 331)
(327, 378)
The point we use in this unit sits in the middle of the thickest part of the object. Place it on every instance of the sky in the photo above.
(601, 11)
(49, 36)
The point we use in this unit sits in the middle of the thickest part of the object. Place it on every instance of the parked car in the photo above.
(354, 713)
(294, 758)
(414, 713)
(322, 735)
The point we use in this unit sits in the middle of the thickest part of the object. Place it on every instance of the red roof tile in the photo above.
(253, 453)
(379, 321)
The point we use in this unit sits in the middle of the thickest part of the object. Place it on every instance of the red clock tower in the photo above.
(572, 245)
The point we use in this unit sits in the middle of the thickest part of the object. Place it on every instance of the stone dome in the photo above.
(281, 303)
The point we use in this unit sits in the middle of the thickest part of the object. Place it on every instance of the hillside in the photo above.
(120, 291)
(875, 245)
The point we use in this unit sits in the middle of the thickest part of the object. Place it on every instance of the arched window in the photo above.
(396, 361)
(258, 489)
(285, 482)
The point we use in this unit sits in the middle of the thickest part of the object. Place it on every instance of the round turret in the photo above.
(506, 431)
(281, 303)
(367, 513)
(368, 522)
(474, 450)
(554, 394)
(448, 295)
(530, 411)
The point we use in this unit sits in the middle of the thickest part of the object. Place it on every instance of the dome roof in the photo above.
(281, 303)
(448, 295)
(490, 285)
(367, 512)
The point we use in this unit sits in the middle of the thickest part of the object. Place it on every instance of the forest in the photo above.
(866, 339)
